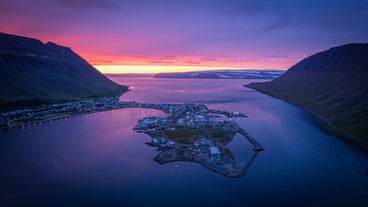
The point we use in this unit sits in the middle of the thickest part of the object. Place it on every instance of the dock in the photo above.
(256, 145)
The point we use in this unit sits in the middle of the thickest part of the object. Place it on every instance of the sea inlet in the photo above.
(99, 160)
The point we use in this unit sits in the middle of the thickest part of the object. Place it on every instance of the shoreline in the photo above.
(326, 125)
(22, 115)
(189, 132)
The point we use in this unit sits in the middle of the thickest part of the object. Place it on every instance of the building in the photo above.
(158, 140)
(205, 142)
(199, 118)
(180, 122)
(215, 153)
(170, 144)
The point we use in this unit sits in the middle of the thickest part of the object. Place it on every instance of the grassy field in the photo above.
(189, 136)
(184, 135)
(219, 135)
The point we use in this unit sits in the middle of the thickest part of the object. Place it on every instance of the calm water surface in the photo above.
(98, 160)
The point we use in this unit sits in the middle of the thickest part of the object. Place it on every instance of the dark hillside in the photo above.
(32, 73)
(333, 85)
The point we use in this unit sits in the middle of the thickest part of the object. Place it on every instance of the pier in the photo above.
(257, 147)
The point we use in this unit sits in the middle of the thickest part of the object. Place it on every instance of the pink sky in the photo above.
(216, 33)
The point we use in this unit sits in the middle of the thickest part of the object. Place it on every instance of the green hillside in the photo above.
(333, 85)
(32, 73)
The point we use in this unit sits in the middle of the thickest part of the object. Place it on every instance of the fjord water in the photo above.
(98, 160)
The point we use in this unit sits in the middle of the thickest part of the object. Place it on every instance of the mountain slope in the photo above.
(333, 85)
(32, 73)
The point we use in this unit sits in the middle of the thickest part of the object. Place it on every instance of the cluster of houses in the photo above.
(189, 116)
(206, 144)
(201, 150)
(42, 113)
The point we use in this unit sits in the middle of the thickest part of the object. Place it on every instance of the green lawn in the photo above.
(184, 135)
(220, 136)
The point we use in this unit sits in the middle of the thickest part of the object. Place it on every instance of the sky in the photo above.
(148, 36)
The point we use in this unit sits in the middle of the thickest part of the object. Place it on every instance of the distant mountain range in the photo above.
(225, 74)
(333, 86)
(32, 73)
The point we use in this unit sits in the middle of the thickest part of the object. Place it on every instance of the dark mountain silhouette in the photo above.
(32, 73)
(333, 86)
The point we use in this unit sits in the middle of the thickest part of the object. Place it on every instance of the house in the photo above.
(215, 153)
(170, 144)
(199, 118)
(180, 121)
(205, 142)
(158, 140)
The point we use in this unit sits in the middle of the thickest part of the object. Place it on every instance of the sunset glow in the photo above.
(113, 69)
(115, 64)
(150, 36)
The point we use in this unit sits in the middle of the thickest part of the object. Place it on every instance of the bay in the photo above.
(98, 160)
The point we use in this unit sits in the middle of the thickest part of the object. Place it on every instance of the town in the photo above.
(192, 132)
(189, 132)
(35, 115)
(29, 116)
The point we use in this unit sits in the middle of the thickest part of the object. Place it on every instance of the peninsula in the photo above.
(190, 132)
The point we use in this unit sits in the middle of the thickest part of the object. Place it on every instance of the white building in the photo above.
(170, 144)
(180, 121)
(215, 152)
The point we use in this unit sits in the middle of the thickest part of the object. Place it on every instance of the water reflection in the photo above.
(98, 160)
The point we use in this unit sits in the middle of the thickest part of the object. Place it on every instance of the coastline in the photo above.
(326, 125)
(205, 144)
(19, 117)
(25, 112)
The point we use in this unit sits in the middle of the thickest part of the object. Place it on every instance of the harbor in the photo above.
(191, 132)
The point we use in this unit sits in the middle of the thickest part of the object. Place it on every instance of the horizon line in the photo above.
(154, 69)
